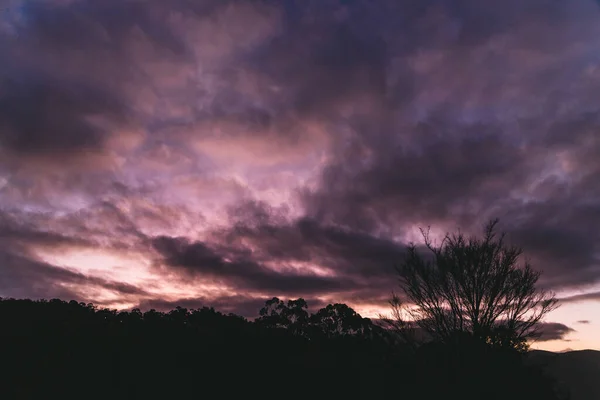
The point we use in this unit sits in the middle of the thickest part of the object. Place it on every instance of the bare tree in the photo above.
(470, 285)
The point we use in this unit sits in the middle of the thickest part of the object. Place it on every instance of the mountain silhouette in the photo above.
(579, 371)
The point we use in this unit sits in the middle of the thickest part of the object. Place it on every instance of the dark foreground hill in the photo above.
(59, 350)
(579, 371)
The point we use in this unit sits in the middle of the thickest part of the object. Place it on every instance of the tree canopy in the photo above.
(474, 285)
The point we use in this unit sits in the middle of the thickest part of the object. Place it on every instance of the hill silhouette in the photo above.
(58, 349)
(576, 370)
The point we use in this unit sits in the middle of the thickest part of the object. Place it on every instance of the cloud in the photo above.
(51, 107)
(593, 296)
(293, 148)
(24, 274)
(26, 277)
(236, 267)
(553, 331)
(583, 322)
(40, 116)
(16, 232)
(431, 181)
(265, 249)
(468, 145)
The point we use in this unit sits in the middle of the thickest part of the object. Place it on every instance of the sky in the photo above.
(158, 153)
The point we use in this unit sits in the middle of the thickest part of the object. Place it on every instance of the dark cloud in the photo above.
(548, 331)
(68, 66)
(425, 183)
(236, 266)
(24, 275)
(345, 251)
(553, 331)
(355, 265)
(454, 164)
(566, 255)
(377, 118)
(105, 25)
(43, 117)
(27, 277)
(594, 296)
(16, 230)
(103, 224)
(323, 63)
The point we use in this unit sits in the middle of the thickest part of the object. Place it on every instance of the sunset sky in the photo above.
(156, 153)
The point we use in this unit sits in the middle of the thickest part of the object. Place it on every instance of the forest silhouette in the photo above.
(451, 348)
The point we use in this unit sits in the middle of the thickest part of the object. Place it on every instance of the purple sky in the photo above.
(155, 153)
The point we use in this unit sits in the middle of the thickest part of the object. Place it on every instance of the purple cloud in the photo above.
(291, 149)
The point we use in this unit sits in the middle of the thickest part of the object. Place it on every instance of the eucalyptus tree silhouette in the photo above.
(291, 316)
(336, 320)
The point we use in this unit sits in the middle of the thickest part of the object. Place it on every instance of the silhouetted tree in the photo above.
(340, 320)
(292, 316)
(473, 285)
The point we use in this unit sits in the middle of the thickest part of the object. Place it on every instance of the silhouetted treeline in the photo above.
(57, 349)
